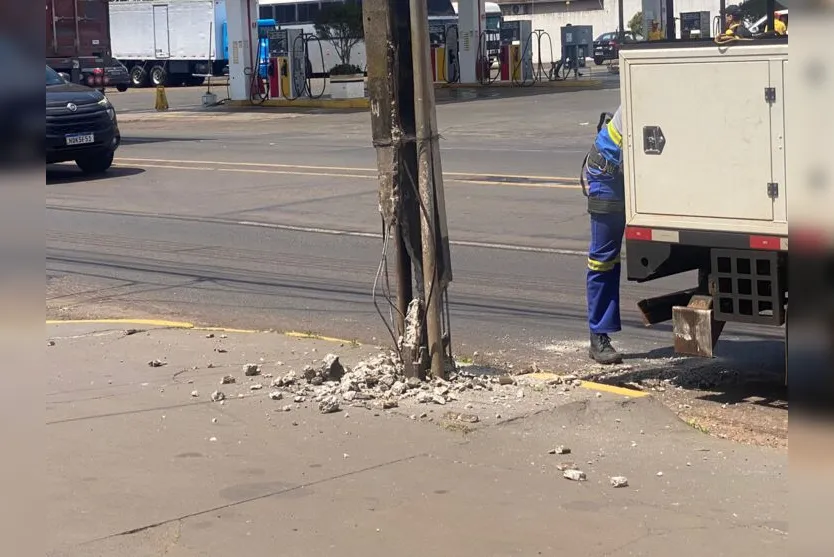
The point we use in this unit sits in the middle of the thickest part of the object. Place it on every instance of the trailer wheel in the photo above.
(138, 76)
(158, 76)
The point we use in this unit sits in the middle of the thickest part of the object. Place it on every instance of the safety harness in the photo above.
(595, 160)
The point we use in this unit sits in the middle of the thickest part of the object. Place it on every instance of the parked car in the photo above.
(117, 76)
(606, 46)
(81, 125)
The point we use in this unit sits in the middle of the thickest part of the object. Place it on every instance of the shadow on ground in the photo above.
(67, 173)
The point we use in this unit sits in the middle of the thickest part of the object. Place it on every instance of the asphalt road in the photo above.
(268, 219)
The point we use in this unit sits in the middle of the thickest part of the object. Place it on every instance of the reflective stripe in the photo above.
(602, 266)
(615, 134)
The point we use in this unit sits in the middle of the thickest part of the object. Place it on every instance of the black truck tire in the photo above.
(158, 76)
(138, 76)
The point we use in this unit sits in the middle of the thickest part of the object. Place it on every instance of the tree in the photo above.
(341, 24)
(636, 24)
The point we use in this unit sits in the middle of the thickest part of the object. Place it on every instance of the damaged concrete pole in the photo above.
(391, 92)
(430, 182)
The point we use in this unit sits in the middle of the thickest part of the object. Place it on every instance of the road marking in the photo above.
(313, 336)
(316, 230)
(622, 391)
(370, 171)
(147, 322)
(493, 183)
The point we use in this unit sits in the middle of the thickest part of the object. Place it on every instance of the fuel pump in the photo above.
(695, 25)
(287, 63)
(517, 51)
(577, 43)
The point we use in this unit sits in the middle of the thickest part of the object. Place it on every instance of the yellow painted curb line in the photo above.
(148, 322)
(633, 393)
(313, 336)
(307, 103)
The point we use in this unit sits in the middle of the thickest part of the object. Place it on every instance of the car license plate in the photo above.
(81, 139)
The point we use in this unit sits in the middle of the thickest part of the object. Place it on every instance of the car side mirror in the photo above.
(65, 76)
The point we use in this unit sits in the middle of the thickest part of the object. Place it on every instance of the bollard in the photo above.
(161, 99)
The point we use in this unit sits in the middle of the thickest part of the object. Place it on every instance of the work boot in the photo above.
(602, 352)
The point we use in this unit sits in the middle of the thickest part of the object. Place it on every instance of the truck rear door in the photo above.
(698, 165)
(78, 28)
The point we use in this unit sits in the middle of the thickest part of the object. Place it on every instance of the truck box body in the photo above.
(77, 30)
(175, 30)
(724, 140)
(158, 40)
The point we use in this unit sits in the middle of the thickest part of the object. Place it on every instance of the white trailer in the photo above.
(178, 41)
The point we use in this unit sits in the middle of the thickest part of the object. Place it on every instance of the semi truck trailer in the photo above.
(78, 43)
(706, 185)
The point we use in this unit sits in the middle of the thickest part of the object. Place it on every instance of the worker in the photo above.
(602, 171)
(655, 33)
(735, 25)
(778, 25)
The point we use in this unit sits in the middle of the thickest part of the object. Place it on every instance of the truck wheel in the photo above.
(96, 164)
(138, 76)
(598, 60)
(158, 76)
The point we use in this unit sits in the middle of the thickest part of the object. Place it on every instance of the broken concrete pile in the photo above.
(379, 383)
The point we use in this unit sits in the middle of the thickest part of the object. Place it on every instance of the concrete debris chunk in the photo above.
(332, 369)
(210, 335)
(437, 399)
(398, 388)
(228, 380)
(503, 380)
(50, 343)
(195, 394)
(574, 475)
(251, 370)
(619, 481)
(349, 396)
(299, 399)
(561, 449)
(424, 397)
(287, 408)
(329, 405)
(217, 396)
(156, 363)
(276, 395)
(256, 387)
(413, 383)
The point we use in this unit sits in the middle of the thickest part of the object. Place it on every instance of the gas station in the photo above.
(464, 53)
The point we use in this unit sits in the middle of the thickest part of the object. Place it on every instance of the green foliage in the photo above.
(636, 24)
(341, 23)
(346, 69)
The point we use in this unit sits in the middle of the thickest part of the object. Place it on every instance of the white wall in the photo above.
(601, 14)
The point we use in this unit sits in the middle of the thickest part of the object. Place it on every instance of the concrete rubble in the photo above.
(380, 383)
(218, 396)
(575, 475)
(251, 370)
(619, 481)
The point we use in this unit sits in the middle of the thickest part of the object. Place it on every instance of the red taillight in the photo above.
(98, 71)
(612, 43)
(90, 80)
(765, 242)
(637, 233)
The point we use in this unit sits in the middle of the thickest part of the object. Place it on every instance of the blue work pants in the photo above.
(603, 276)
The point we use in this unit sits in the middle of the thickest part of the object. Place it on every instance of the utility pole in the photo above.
(411, 197)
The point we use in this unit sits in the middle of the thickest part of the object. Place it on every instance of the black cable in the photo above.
(309, 81)
(448, 57)
(257, 82)
(386, 237)
(485, 77)
(523, 83)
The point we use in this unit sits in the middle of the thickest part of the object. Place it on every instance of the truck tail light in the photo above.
(637, 233)
(765, 242)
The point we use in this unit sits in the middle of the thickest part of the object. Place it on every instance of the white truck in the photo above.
(178, 41)
(706, 183)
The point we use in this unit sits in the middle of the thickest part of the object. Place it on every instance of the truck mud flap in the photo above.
(695, 327)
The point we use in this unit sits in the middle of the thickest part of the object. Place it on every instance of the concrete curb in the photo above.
(335, 104)
(571, 84)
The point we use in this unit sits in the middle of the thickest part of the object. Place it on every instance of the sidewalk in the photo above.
(142, 462)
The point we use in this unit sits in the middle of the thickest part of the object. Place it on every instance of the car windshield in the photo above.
(52, 77)
(605, 37)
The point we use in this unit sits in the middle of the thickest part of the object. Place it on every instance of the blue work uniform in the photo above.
(606, 205)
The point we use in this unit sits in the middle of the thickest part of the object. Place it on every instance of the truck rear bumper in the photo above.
(746, 274)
